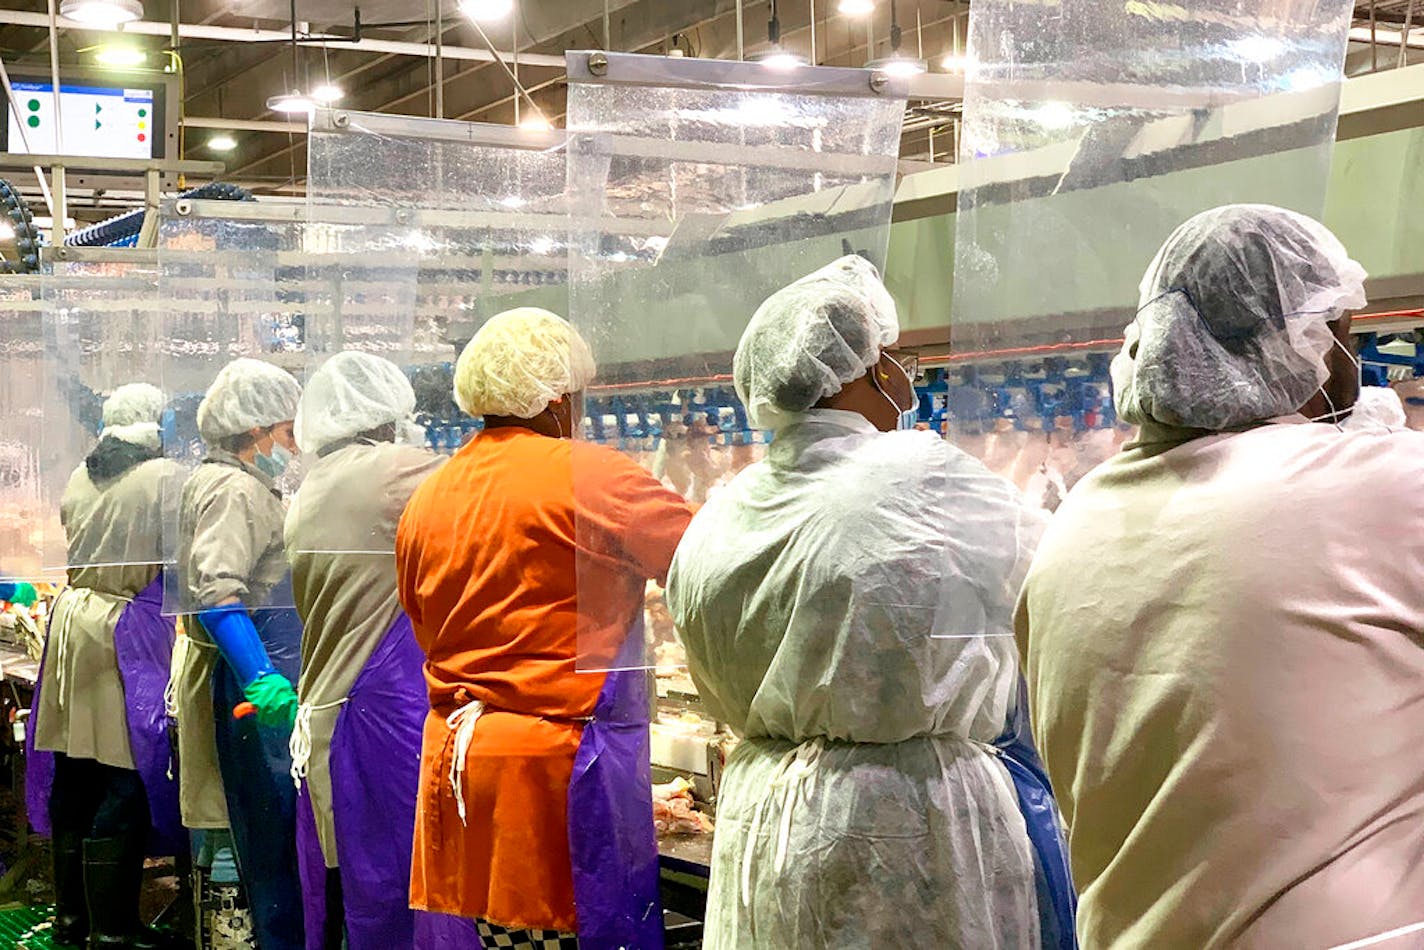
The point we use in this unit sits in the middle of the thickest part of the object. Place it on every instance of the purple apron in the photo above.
(612, 842)
(375, 770)
(143, 644)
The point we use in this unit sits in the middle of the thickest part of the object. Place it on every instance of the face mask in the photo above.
(907, 417)
(1337, 415)
(275, 463)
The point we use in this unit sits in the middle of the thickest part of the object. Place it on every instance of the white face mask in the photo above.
(1335, 415)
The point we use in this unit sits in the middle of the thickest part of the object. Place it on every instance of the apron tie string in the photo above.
(300, 745)
(462, 721)
(786, 780)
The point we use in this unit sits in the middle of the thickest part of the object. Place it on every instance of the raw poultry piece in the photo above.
(674, 811)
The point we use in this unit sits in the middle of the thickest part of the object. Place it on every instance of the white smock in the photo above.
(846, 606)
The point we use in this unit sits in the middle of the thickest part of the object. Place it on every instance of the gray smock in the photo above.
(114, 533)
(846, 605)
(229, 546)
(341, 534)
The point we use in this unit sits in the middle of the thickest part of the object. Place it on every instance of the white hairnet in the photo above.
(131, 414)
(809, 339)
(247, 394)
(519, 362)
(1231, 322)
(1377, 408)
(351, 393)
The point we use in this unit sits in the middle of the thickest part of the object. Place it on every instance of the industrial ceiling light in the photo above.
(120, 57)
(856, 7)
(102, 13)
(291, 103)
(535, 121)
(486, 11)
(777, 58)
(897, 63)
(327, 93)
(953, 62)
(222, 142)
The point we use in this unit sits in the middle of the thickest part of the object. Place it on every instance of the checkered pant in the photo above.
(493, 935)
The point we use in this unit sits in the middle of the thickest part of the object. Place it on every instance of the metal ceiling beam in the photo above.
(192, 31)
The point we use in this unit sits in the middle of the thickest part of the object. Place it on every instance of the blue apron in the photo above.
(1053, 879)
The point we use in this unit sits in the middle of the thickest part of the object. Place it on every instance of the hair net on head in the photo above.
(247, 394)
(1231, 321)
(131, 414)
(351, 393)
(809, 339)
(519, 362)
(1377, 408)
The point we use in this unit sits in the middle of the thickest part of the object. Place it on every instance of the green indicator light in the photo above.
(142, 113)
(34, 105)
(34, 122)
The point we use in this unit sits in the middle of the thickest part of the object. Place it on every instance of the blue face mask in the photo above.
(274, 464)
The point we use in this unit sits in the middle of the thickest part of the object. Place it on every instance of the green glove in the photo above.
(22, 594)
(275, 700)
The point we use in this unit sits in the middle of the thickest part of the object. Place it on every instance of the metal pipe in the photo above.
(741, 34)
(54, 77)
(1374, 33)
(514, 55)
(439, 59)
(607, 29)
(813, 32)
(1404, 36)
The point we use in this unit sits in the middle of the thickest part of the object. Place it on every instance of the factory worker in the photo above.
(105, 792)
(356, 747)
(535, 808)
(846, 607)
(1223, 623)
(243, 640)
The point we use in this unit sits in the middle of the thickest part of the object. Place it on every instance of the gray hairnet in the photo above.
(351, 393)
(247, 394)
(519, 362)
(1231, 322)
(1378, 408)
(809, 339)
(131, 414)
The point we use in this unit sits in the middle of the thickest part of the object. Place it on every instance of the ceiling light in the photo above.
(291, 103)
(101, 12)
(222, 142)
(486, 10)
(954, 62)
(120, 57)
(327, 93)
(535, 121)
(856, 7)
(779, 59)
(898, 66)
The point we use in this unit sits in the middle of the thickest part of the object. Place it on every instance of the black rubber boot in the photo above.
(113, 879)
(71, 914)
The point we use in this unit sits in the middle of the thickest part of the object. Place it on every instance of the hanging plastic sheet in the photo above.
(102, 412)
(278, 288)
(25, 519)
(1091, 131)
(699, 188)
(482, 208)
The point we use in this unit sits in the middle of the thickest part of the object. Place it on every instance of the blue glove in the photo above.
(232, 630)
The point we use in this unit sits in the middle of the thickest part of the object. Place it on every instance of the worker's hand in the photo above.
(274, 699)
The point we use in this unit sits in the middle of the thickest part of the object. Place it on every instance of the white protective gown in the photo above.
(864, 808)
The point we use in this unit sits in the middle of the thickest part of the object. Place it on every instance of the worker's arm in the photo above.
(233, 632)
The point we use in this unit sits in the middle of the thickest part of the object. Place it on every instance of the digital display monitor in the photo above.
(98, 118)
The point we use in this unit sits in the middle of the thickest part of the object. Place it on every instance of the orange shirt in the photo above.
(509, 557)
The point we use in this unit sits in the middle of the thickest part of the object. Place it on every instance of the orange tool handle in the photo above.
(243, 710)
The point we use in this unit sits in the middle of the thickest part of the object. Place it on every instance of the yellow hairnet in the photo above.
(519, 362)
